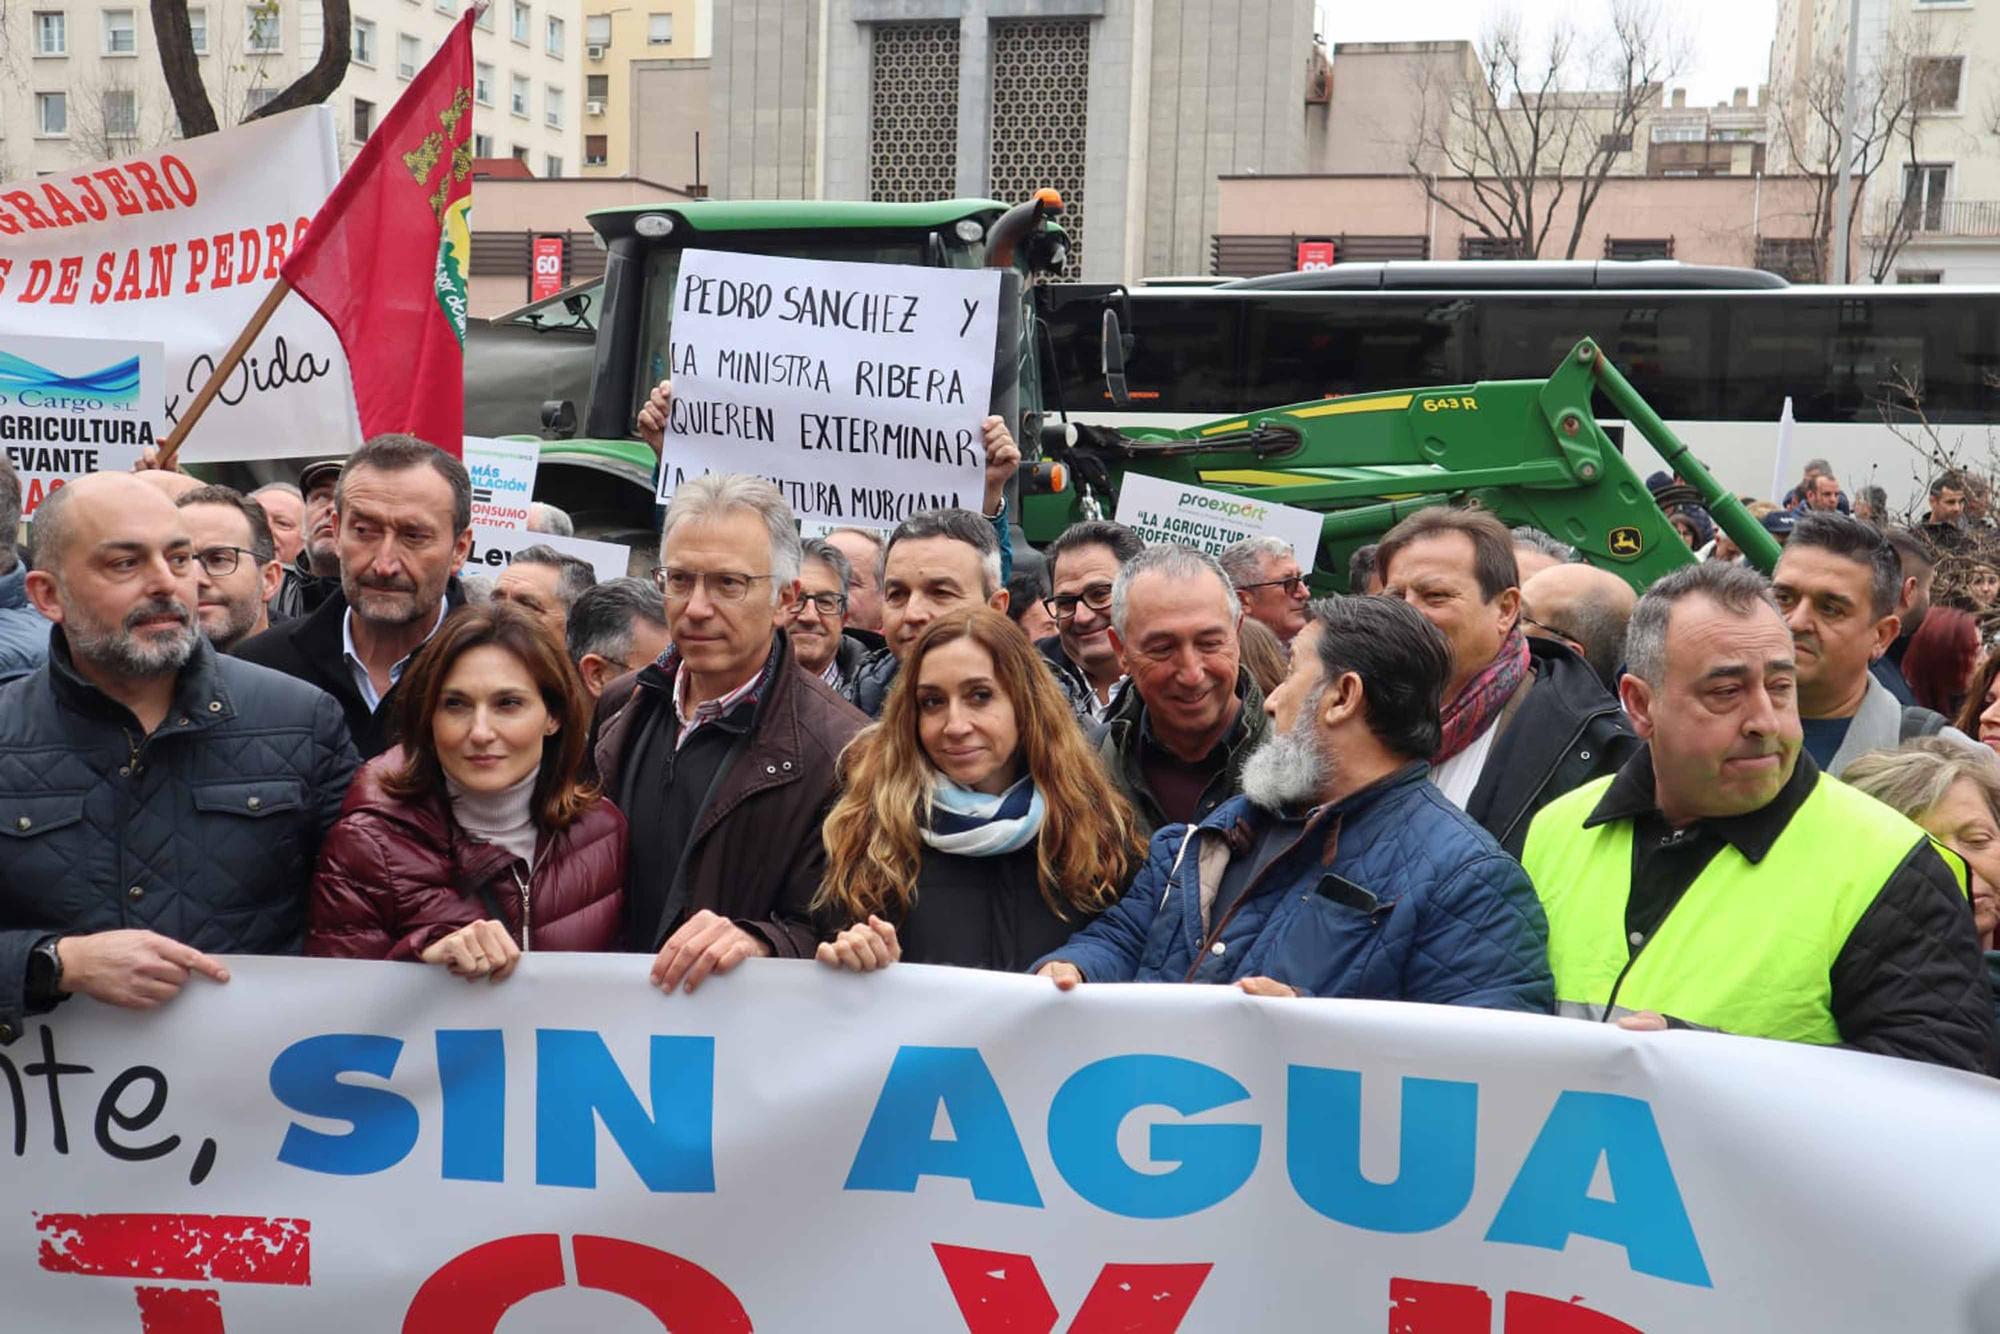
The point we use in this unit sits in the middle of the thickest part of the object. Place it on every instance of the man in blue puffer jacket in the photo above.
(1341, 871)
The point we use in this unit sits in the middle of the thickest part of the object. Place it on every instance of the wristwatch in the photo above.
(45, 971)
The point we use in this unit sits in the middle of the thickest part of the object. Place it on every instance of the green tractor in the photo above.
(580, 364)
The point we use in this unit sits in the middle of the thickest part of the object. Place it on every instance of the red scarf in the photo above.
(1484, 696)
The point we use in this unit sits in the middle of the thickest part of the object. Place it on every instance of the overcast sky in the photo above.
(1730, 40)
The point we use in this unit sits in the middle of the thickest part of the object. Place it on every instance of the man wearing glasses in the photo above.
(1083, 564)
(236, 562)
(1273, 590)
(821, 641)
(722, 755)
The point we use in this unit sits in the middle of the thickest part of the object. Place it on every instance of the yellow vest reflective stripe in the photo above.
(1749, 948)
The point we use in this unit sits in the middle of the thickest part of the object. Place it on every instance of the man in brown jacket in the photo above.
(722, 753)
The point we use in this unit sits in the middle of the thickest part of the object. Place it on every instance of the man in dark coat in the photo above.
(1525, 720)
(723, 754)
(158, 803)
(404, 515)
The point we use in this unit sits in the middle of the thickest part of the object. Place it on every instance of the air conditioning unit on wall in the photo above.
(595, 106)
(594, 52)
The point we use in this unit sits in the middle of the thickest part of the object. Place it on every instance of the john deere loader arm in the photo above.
(1530, 451)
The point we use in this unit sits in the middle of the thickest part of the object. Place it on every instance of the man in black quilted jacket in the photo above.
(158, 804)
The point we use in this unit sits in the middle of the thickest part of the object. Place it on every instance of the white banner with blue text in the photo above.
(321, 1146)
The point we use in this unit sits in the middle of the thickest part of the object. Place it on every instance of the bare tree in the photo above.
(105, 117)
(1889, 98)
(1502, 148)
(178, 61)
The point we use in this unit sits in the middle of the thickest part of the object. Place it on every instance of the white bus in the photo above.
(1715, 351)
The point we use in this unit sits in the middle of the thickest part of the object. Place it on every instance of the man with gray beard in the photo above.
(159, 804)
(1341, 870)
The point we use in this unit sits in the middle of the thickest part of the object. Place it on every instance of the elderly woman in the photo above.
(1954, 793)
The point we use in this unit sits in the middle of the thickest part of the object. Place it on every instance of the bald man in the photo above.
(172, 485)
(170, 801)
(1583, 607)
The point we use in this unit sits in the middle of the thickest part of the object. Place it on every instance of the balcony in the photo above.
(1939, 217)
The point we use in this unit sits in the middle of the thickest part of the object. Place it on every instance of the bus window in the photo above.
(1304, 348)
(1185, 356)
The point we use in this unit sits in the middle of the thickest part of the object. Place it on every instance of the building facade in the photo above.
(1133, 109)
(617, 38)
(83, 83)
(1930, 211)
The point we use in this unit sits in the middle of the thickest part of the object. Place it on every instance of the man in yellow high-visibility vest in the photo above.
(1720, 881)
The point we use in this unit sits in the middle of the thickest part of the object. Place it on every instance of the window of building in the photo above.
(522, 19)
(597, 30)
(52, 115)
(364, 119)
(659, 29)
(257, 100)
(1924, 187)
(552, 105)
(552, 166)
(198, 28)
(1919, 277)
(555, 41)
(522, 91)
(482, 83)
(1614, 143)
(484, 19)
(261, 34)
(482, 145)
(520, 152)
(596, 149)
(446, 6)
(121, 33)
(364, 42)
(409, 55)
(597, 87)
(1935, 82)
(312, 31)
(121, 113)
(51, 34)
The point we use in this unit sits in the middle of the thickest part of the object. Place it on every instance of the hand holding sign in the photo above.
(653, 417)
(135, 969)
(1003, 459)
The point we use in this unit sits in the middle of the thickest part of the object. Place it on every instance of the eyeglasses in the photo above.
(679, 585)
(221, 561)
(826, 604)
(1063, 606)
(1291, 583)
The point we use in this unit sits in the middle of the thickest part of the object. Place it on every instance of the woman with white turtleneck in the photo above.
(472, 843)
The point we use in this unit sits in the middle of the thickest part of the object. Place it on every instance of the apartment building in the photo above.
(81, 82)
(616, 36)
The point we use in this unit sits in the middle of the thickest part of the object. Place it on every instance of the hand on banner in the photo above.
(1263, 986)
(1643, 1022)
(653, 417)
(863, 947)
(1065, 975)
(706, 943)
(1003, 458)
(135, 969)
(483, 949)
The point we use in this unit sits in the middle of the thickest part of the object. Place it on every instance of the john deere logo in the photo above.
(1625, 542)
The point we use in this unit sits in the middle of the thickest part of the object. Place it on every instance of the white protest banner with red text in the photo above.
(330, 1147)
(178, 246)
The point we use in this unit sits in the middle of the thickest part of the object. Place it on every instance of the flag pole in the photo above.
(231, 359)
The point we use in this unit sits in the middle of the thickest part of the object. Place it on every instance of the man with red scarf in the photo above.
(1525, 720)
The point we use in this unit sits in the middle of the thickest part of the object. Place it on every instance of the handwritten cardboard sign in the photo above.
(857, 388)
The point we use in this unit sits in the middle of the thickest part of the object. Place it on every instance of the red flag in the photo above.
(385, 257)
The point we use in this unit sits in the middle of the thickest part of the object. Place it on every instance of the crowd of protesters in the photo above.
(1488, 775)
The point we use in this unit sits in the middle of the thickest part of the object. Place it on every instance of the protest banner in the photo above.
(493, 549)
(179, 246)
(74, 406)
(330, 1146)
(503, 479)
(858, 389)
(1211, 521)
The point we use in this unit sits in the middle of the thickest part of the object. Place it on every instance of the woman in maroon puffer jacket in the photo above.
(472, 842)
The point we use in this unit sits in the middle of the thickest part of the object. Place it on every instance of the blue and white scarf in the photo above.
(974, 824)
